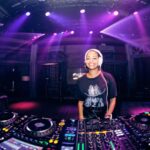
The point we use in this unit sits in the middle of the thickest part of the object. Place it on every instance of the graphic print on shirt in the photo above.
(94, 97)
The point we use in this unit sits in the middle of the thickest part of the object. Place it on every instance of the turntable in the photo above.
(142, 120)
(40, 127)
(7, 118)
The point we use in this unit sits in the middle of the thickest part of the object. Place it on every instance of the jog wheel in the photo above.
(7, 118)
(142, 121)
(40, 127)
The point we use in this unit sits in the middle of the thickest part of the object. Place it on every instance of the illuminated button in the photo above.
(51, 140)
(104, 132)
(2, 138)
(83, 146)
(70, 134)
(45, 143)
(69, 138)
(73, 120)
(55, 141)
(97, 132)
(41, 142)
(5, 129)
(61, 123)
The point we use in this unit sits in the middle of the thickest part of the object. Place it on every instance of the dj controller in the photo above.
(30, 132)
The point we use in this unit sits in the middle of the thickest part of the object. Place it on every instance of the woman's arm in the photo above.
(111, 108)
(80, 109)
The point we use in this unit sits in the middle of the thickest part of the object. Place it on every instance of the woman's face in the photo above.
(92, 60)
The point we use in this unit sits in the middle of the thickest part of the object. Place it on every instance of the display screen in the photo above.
(15, 144)
(66, 147)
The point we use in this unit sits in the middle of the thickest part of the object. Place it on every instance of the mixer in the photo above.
(30, 132)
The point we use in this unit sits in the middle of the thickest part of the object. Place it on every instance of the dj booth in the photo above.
(29, 132)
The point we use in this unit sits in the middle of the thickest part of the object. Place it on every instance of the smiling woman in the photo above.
(96, 89)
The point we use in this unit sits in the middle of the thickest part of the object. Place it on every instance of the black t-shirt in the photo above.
(96, 93)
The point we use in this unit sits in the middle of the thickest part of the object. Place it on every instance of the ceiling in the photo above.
(67, 10)
(68, 18)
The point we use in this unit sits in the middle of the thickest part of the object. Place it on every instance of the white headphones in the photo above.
(99, 53)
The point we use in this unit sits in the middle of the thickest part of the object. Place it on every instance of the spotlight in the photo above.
(35, 37)
(28, 13)
(54, 34)
(47, 13)
(1, 24)
(72, 32)
(90, 32)
(135, 13)
(82, 11)
(116, 13)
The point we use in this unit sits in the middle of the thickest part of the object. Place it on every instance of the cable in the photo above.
(106, 89)
(106, 92)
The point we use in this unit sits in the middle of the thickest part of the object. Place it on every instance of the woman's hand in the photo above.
(108, 116)
(81, 118)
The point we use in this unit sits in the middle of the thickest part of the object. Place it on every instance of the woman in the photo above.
(96, 89)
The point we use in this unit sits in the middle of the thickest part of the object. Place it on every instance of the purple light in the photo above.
(138, 109)
(71, 32)
(135, 13)
(137, 25)
(116, 13)
(47, 14)
(90, 32)
(82, 11)
(35, 37)
(28, 13)
(54, 34)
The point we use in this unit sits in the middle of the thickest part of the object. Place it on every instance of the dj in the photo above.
(96, 89)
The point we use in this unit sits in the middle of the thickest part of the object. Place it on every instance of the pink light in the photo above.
(47, 14)
(71, 32)
(82, 11)
(54, 34)
(35, 37)
(138, 110)
(28, 13)
(135, 13)
(90, 32)
(26, 105)
(116, 13)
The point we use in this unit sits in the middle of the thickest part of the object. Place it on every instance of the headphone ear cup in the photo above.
(100, 61)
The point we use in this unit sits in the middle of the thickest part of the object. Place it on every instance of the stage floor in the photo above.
(68, 109)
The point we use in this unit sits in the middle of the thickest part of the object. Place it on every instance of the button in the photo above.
(55, 141)
(51, 140)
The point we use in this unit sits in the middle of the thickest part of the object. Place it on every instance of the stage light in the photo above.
(34, 37)
(135, 13)
(116, 13)
(90, 32)
(1, 24)
(82, 11)
(28, 13)
(47, 13)
(72, 32)
(54, 34)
